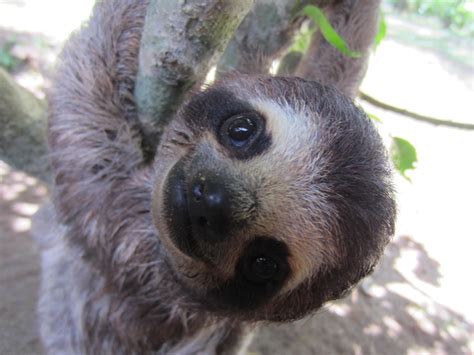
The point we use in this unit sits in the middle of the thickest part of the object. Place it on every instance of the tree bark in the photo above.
(181, 41)
(264, 35)
(23, 142)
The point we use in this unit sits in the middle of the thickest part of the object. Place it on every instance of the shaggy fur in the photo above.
(356, 22)
(115, 281)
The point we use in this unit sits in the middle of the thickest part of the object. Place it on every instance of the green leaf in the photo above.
(403, 156)
(302, 41)
(375, 118)
(328, 31)
(7, 60)
(382, 31)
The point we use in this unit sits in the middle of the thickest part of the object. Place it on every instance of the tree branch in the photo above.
(264, 35)
(416, 116)
(23, 135)
(181, 41)
(265, 32)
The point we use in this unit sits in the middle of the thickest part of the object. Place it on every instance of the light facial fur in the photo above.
(223, 229)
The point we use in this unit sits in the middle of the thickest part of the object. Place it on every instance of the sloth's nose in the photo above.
(210, 209)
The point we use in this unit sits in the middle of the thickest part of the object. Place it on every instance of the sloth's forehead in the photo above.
(291, 128)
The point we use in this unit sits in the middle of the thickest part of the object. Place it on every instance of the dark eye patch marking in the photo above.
(249, 291)
(210, 110)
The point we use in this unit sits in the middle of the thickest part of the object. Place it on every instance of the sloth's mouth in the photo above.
(177, 212)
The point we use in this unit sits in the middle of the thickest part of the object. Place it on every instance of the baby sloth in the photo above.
(271, 196)
(267, 197)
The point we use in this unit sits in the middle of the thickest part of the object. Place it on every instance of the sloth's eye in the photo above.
(264, 268)
(264, 263)
(261, 269)
(240, 131)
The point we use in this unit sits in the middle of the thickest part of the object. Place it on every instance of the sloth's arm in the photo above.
(93, 131)
(356, 21)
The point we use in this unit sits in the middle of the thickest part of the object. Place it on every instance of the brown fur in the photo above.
(113, 279)
(356, 21)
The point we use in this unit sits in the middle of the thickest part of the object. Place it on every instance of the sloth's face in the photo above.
(272, 196)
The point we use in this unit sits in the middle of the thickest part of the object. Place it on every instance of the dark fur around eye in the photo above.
(214, 108)
(246, 290)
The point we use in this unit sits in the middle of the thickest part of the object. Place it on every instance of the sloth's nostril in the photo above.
(202, 221)
(198, 191)
(210, 207)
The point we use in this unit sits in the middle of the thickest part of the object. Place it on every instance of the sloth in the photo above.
(267, 197)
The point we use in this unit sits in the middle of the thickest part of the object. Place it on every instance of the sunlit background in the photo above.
(421, 298)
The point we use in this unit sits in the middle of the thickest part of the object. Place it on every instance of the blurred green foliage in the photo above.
(7, 60)
(457, 15)
(382, 32)
(303, 37)
(328, 32)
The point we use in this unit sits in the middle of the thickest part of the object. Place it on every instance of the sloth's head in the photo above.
(273, 196)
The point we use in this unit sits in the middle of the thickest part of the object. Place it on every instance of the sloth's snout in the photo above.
(210, 208)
